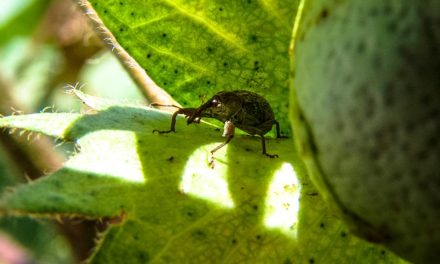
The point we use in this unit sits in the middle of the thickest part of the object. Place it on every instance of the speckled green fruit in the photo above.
(365, 109)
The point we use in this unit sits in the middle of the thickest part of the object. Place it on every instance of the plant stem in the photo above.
(152, 92)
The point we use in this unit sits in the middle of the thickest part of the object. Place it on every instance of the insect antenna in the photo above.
(157, 104)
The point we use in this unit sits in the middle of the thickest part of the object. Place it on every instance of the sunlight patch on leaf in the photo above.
(282, 204)
(112, 160)
(206, 182)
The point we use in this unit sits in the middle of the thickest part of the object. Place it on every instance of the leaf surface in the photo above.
(194, 49)
(167, 205)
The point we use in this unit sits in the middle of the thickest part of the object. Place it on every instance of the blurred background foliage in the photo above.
(44, 47)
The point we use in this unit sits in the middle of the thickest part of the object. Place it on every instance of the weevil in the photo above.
(245, 110)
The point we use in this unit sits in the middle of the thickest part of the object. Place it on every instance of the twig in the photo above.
(151, 91)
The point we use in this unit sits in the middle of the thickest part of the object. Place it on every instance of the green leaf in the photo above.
(45, 245)
(194, 49)
(168, 205)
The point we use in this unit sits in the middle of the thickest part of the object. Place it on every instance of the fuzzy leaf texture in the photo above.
(169, 206)
(193, 49)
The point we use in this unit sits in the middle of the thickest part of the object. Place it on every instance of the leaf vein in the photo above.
(211, 25)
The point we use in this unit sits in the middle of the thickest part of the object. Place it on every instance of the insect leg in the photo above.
(228, 132)
(228, 138)
(173, 124)
(277, 126)
(263, 144)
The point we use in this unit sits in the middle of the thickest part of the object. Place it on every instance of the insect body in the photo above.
(245, 110)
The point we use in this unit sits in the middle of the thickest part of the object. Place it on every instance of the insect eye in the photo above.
(216, 103)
